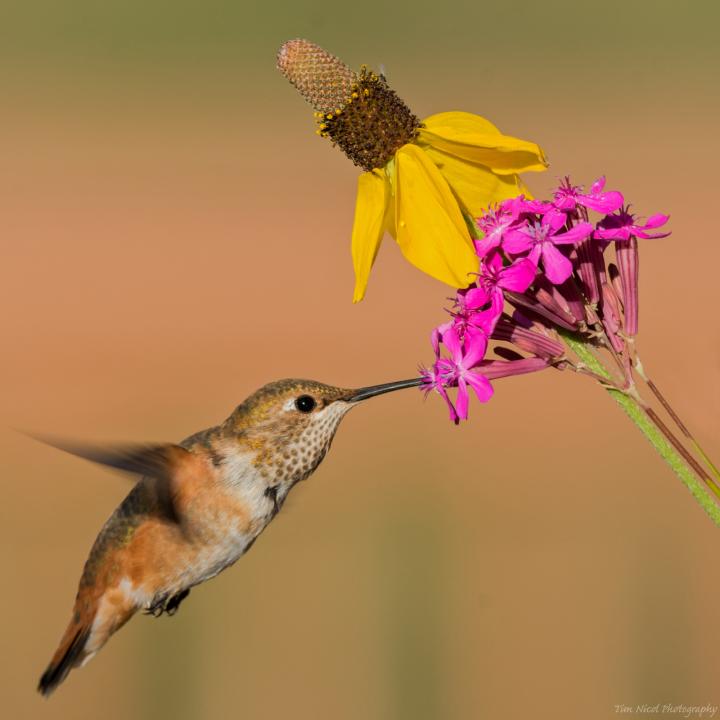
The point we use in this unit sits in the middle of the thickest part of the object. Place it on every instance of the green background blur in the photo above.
(174, 235)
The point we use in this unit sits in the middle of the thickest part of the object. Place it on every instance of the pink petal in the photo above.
(519, 276)
(461, 403)
(511, 205)
(443, 394)
(494, 262)
(437, 335)
(557, 267)
(517, 241)
(481, 385)
(579, 232)
(452, 343)
(535, 255)
(476, 298)
(597, 186)
(476, 343)
(486, 320)
(650, 236)
(497, 306)
(655, 221)
(555, 220)
(604, 202)
(564, 201)
(537, 207)
(435, 341)
(484, 245)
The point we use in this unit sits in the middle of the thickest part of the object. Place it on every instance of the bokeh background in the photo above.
(174, 235)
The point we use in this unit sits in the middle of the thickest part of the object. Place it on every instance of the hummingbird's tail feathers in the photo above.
(158, 461)
(95, 618)
(70, 654)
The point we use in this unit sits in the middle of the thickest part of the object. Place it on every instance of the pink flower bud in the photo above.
(494, 369)
(611, 317)
(626, 252)
(527, 340)
(615, 281)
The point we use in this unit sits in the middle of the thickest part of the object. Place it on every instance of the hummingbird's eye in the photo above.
(305, 403)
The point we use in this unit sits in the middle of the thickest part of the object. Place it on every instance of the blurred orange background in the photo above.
(174, 236)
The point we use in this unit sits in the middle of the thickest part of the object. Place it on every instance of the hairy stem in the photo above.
(634, 410)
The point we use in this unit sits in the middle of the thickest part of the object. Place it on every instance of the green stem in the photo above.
(636, 413)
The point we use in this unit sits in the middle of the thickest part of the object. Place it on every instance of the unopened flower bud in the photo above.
(611, 316)
(494, 369)
(527, 340)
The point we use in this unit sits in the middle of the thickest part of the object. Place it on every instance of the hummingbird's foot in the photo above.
(167, 604)
(173, 604)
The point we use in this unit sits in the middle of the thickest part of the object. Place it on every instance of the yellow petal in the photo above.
(429, 226)
(368, 226)
(473, 138)
(475, 186)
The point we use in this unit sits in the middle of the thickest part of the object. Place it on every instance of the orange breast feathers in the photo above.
(164, 556)
(177, 524)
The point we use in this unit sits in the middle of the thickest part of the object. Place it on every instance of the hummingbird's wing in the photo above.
(159, 462)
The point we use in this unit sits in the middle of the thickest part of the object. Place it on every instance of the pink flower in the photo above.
(458, 370)
(495, 277)
(568, 197)
(552, 289)
(493, 224)
(622, 226)
(472, 310)
(623, 229)
(540, 239)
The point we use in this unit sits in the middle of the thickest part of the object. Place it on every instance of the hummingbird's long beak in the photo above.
(373, 390)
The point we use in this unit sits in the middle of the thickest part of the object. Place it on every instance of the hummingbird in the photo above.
(198, 506)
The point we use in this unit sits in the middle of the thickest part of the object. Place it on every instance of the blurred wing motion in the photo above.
(158, 462)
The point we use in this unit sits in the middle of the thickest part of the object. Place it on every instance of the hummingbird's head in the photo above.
(291, 423)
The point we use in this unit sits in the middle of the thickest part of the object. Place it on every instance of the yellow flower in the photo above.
(422, 180)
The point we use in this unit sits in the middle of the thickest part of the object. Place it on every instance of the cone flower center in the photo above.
(359, 112)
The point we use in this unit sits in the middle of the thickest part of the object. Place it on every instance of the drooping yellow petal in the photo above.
(475, 186)
(474, 138)
(429, 227)
(368, 227)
